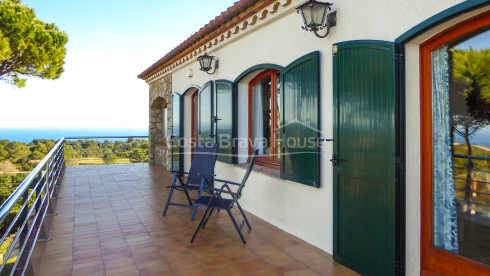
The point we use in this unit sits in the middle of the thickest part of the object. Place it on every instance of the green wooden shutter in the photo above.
(205, 127)
(224, 119)
(176, 132)
(300, 122)
(364, 143)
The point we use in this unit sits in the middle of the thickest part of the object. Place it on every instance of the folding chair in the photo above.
(203, 162)
(216, 201)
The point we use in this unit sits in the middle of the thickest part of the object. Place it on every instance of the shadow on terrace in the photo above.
(109, 222)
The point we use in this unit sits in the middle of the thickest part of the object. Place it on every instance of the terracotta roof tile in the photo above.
(226, 20)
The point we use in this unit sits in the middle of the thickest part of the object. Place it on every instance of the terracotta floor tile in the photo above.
(58, 269)
(301, 272)
(110, 222)
(91, 273)
(125, 270)
(89, 260)
(114, 251)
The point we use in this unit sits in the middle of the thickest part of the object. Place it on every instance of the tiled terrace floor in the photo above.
(109, 222)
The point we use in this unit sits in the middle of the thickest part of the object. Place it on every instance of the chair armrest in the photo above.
(183, 186)
(179, 172)
(226, 181)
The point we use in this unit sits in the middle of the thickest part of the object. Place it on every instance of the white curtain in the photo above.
(258, 118)
(444, 201)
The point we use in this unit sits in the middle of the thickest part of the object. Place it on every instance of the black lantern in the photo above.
(317, 16)
(206, 63)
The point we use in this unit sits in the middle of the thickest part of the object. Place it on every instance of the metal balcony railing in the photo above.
(22, 215)
(33, 201)
(480, 199)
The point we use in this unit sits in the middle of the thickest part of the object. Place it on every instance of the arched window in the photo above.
(264, 117)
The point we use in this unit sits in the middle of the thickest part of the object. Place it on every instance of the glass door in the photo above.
(455, 150)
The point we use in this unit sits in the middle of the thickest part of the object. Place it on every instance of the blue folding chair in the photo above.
(216, 201)
(199, 177)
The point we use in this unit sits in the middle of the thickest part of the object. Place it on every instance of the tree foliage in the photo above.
(136, 150)
(473, 68)
(471, 85)
(470, 107)
(21, 155)
(8, 168)
(16, 157)
(28, 46)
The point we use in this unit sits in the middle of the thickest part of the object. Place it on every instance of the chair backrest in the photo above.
(203, 162)
(247, 174)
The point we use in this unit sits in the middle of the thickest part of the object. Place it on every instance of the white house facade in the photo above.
(388, 186)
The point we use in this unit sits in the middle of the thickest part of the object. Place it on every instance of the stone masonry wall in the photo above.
(160, 95)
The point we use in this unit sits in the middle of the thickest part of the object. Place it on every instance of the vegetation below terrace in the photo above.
(93, 152)
(17, 159)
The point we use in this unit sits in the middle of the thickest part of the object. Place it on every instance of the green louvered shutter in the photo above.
(224, 119)
(176, 132)
(300, 122)
(205, 127)
(364, 145)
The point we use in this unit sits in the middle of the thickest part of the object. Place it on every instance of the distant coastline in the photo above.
(26, 135)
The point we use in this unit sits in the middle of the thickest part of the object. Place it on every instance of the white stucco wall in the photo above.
(413, 184)
(412, 161)
(304, 211)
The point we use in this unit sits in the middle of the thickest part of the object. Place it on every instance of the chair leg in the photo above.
(207, 219)
(200, 224)
(169, 196)
(185, 191)
(188, 197)
(195, 206)
(243, 214)
(234, 222)
(194, 212)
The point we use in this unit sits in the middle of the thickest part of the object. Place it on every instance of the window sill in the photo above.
(262, 169)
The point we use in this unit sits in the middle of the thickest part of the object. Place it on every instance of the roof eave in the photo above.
(235, 14)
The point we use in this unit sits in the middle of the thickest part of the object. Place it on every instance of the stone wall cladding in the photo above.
(160, 94)
(161, 157)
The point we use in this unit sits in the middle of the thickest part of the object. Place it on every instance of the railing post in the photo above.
(59, 168)
(39, 190)
(43, 235)
(56, 174)
(23, 217)
(50, 187)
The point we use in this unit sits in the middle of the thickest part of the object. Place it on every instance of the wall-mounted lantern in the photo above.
(318, 16)
(206, 63)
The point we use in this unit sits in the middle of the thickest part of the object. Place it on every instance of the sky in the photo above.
(109, 43)
(477, 42)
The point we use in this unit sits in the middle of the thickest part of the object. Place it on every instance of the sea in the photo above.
(26, 135)
(479, 138)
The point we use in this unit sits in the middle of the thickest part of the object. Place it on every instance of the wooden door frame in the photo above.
(435, 260)
(272, 162)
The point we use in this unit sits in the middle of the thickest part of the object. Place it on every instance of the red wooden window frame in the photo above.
(271, 161)
(435, 261)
